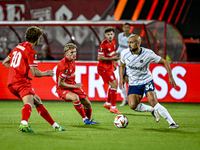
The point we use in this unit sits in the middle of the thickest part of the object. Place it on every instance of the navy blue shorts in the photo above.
(141, 89)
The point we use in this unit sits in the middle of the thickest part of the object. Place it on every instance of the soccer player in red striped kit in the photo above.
(22, 59)
(106, 67)
(68, 89)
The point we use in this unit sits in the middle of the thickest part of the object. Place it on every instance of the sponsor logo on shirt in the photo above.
(66, 71)
(141, 61)
(136, 68)
(35, 56)
(101, 49)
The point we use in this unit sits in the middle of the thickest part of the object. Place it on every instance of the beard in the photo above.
(134, 49)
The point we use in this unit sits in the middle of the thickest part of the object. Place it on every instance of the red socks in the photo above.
(88, 112)
(113, 95)
(109, 96)
(44, 113)
(78, 106)
(26, 112)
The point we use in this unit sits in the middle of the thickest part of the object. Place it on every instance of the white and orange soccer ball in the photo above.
(121, 121)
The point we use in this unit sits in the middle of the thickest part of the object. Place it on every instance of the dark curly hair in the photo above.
(33, 33)
(108, 29)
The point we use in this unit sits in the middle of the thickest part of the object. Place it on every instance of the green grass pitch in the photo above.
(142, 132)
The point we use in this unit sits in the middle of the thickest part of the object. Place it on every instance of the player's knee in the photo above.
(75, 98)
(37, 100)
(132, 105)
(86, 102)
(115, 85)
(152, 102)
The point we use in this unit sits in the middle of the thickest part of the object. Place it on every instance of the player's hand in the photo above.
(117, 54)
(121, 84)
(50, 73)
(172, 82)
(115, 67)
(115, 57)
(78, 85)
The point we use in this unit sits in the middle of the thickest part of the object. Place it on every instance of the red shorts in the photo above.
(21, 90)
(107, 76)
(62, 93)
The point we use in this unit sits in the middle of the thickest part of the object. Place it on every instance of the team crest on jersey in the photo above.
(141, 61)
(35, 56)
(101, 49)
(66, 71)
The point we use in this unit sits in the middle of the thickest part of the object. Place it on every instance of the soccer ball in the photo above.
(121, 121)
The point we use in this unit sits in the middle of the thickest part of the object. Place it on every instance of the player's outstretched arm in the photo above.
(37, 73)
(168, 68)
(121, 74)
(6, 62)
(62, 83)
(115, 57)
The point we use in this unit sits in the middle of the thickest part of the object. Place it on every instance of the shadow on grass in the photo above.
(97, 127)
(170, 131)
(58, 135)
(129, 114)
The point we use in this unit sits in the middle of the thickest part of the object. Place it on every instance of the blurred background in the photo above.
(168, 27)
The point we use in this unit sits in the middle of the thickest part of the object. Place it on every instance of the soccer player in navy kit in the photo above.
(137, 60)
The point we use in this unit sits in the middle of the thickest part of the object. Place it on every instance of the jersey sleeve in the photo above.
(119, 38)
(10, 55)
(102, 51)
(154, 58)
(32, 59)
(63, 72)
(122, 58)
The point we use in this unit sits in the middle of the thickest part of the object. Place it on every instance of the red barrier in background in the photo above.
(185, 74)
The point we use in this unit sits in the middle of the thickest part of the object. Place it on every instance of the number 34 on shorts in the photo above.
(149, 86)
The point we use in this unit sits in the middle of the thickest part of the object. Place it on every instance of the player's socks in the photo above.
(164, 113)
(113, 107)
(113, 95)
(88, 111)
(78, 106)
(109, 96)
(108, 103)
(57, 127)
(142, 107)
(44, 113)
(26, 113)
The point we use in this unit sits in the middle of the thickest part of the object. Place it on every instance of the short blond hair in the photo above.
(69, 46)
